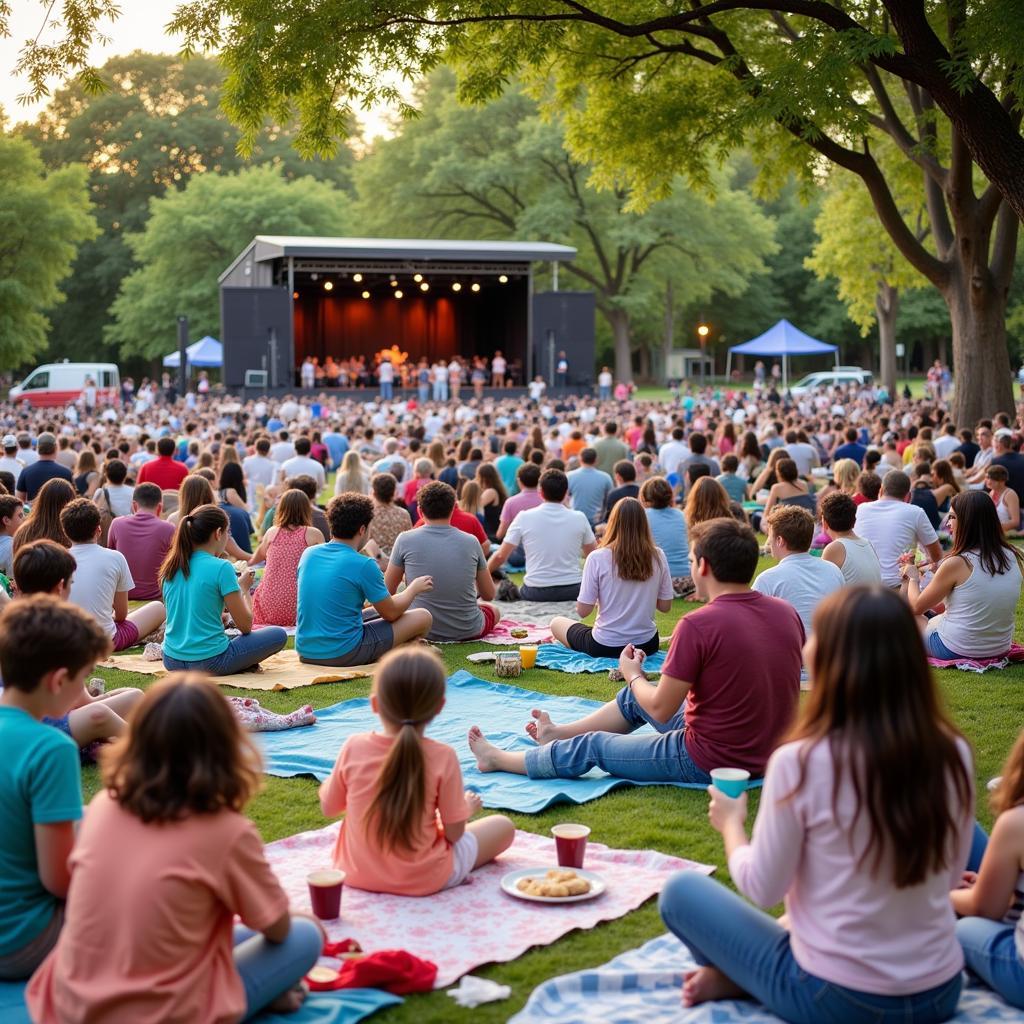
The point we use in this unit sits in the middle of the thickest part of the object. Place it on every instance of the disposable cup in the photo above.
(528, 655)
(325, 892)
(731, 781)
(570, 844)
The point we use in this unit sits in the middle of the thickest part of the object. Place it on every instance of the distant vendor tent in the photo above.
(783, 340)
(203, 354)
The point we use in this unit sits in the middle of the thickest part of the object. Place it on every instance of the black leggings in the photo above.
(581, 638)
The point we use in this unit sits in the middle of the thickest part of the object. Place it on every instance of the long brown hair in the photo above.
(195, 490)
(184, 753)
(43, 522)
(409, 685)
(874, 702)
(294, 510)
(1010, 791)
(487, 476)
(707, 499)
(628, 535)
(193, 530)
(978, 530)
(943, 469)
(469, 497)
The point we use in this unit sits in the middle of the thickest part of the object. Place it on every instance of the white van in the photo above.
(54, 384)
(840, 376)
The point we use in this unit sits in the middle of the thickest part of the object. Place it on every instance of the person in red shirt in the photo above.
(163, 470)
(718, 704)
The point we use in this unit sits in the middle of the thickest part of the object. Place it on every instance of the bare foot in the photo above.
(474, 801)
(541, 730)
(290, 1001)
(707, 985)
(483, 750)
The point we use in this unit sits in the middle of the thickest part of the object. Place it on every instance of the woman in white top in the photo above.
(1004, 498)
(853, 555)
(352, 476)
(979, 582)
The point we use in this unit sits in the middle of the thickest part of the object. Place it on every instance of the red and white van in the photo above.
(54, 384)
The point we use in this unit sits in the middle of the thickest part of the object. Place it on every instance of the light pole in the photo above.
(702, 333)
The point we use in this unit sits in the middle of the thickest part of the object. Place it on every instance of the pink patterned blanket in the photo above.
(501, 635)
(475, 923)
(1015, 653)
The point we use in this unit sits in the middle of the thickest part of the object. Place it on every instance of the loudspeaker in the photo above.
(256, 329)
(564, 322)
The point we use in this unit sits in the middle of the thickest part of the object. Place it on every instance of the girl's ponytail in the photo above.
(194, 530)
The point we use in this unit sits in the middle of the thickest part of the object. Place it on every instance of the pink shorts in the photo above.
(126, 634)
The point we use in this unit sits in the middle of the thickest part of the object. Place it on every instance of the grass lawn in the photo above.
(660, 394)
(989, 709)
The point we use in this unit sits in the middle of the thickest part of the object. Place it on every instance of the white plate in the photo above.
(481, 656)
(508, 884)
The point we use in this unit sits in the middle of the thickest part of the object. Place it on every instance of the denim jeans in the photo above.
(423, 391)
(387, 390)
(659, 758)
(604, 394)
(241, 654)
(752, 949)
(440, 391)
(937, 649)
(269, 969)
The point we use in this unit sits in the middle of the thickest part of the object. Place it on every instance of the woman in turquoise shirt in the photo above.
(198, 585)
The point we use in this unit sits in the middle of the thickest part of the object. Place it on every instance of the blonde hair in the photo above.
(846, 473)
(469, 497)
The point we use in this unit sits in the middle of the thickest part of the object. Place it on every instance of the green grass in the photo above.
(988, 708)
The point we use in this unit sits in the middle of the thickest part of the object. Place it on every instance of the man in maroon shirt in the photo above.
(163, 470)
(728, 689)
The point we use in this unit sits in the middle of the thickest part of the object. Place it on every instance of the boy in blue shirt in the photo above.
(47, 650)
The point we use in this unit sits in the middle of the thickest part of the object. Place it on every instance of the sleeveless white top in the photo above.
(1001, 510)
(978, 620)
(860, 566)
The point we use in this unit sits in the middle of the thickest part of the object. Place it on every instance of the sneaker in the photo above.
(507, 591)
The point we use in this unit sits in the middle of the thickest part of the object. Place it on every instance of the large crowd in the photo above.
(211, 529)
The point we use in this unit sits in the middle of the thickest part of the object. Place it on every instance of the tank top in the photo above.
(1001, 510)
(860, 566)
(978, 620)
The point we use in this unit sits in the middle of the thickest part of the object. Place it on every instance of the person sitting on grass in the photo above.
(12, 513)
(668, 529)
(626, 579)
(459, 602)
(852, 555)
(102, 580)
(734, 486)
(165, 861)
(1003, 497)
(336, 580)
(47, 650)
(198, 586)
(43, 521)
(863, 860)
(406, 829)
(196, 491)
(718, 703)
(144, 539)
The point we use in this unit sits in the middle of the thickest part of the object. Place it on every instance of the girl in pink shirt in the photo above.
(405, 828)
(865, 823)
(164, 862)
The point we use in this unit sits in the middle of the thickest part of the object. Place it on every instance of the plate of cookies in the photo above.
(553, 885)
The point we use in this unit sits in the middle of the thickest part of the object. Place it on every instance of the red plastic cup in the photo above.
(325, 893)
(570, 844)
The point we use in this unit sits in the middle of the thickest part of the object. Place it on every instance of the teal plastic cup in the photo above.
(731, 781)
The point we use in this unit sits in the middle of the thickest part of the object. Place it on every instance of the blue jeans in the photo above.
(387, 390)
(423, 391)
(659, 758)
(604, 394)
(269, 969)
(440, 391)
(937, 649)
(241, 654)
(752, 949)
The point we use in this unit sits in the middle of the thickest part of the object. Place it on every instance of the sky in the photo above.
(139, 27)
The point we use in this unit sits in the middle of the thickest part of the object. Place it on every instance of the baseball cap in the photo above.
(10, 441)
(1004, 432)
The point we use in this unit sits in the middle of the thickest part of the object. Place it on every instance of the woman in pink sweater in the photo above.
(865, 823)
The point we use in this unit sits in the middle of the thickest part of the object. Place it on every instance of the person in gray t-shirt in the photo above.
(589, 486)
(456, 562)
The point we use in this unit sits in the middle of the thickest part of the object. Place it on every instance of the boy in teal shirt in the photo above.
(47, 650)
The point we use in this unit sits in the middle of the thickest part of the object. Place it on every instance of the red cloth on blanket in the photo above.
(393, 970)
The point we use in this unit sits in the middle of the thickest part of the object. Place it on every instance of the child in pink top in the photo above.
(164, 862)
(405, 829)
(865, 821)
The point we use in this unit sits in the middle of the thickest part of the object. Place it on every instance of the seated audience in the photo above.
(527, 496)
(668, 528)
(303, 464)
(715, 705)
(734, 486)
(33, 477)
(164, 471)
(626, 579)
(275, 601)
(353, 476)
(625, 486)
(336, 581)
(869, 486)
(852, 555)
(459, 601)
(196, 491)
(589, 487)
(198, 586)
(47, 651)
(1003, 497)
(144, 539)
(707, 500)
(423, 473)
(862, 860)
(114, 497)
(554, 539)
(492, 497)
(43, 521)
(389, 519)
(922, 495)
(167, 832)
(790, 490)
(231, 496)
(979, 583)
(12, 514)
(406, 829)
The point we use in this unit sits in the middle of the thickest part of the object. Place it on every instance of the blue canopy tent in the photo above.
(207, 352)
(783, 340)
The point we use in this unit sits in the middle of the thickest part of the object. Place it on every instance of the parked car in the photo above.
(839, 376)
(55, 384)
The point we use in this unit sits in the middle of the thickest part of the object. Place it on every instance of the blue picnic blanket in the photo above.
(500, 710)
(561, 659)
(645, 984)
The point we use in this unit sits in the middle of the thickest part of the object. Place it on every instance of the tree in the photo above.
(156, 124)
(190, 238)
(502, 171)
(43, 219)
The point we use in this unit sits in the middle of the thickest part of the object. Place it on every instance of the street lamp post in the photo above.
(702, 333)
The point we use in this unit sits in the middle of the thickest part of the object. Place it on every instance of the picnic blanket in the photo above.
(539, 613)
(561, 659)
(644, 985)
(346, 1007)
(501, 635)
(979, 665)
(500, 710)
(456, 928)
(281, 671)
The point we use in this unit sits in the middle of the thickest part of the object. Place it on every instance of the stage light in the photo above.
(398, 294)
(424, 287)
(475, 287)
(366, 295)
(394, 283)
(328, 285)
(456, 287)
(417, 278)
(314, 277)
(295, 295)
(357, 278)
(502, 279)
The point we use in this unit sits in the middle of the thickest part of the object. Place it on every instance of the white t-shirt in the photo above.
(604, 379)
(9, 465)
(671, 454)
(386, 372)
(303, 465)
(804, 455)
(28, 456)
(281, 451)
(259, 469)
(553, 537)
(945, 445)
(802, 581)
(100, 575)
(536, 388)
(893, 527)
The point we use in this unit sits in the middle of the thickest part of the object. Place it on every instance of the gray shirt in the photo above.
(453, 559)
(589, 487)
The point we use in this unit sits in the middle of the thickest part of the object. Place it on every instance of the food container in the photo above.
(508, 664)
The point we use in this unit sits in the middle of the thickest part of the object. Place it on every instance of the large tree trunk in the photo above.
(887, 307)
(619, 321)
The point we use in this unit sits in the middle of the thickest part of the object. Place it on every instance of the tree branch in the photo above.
(1004, 249)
